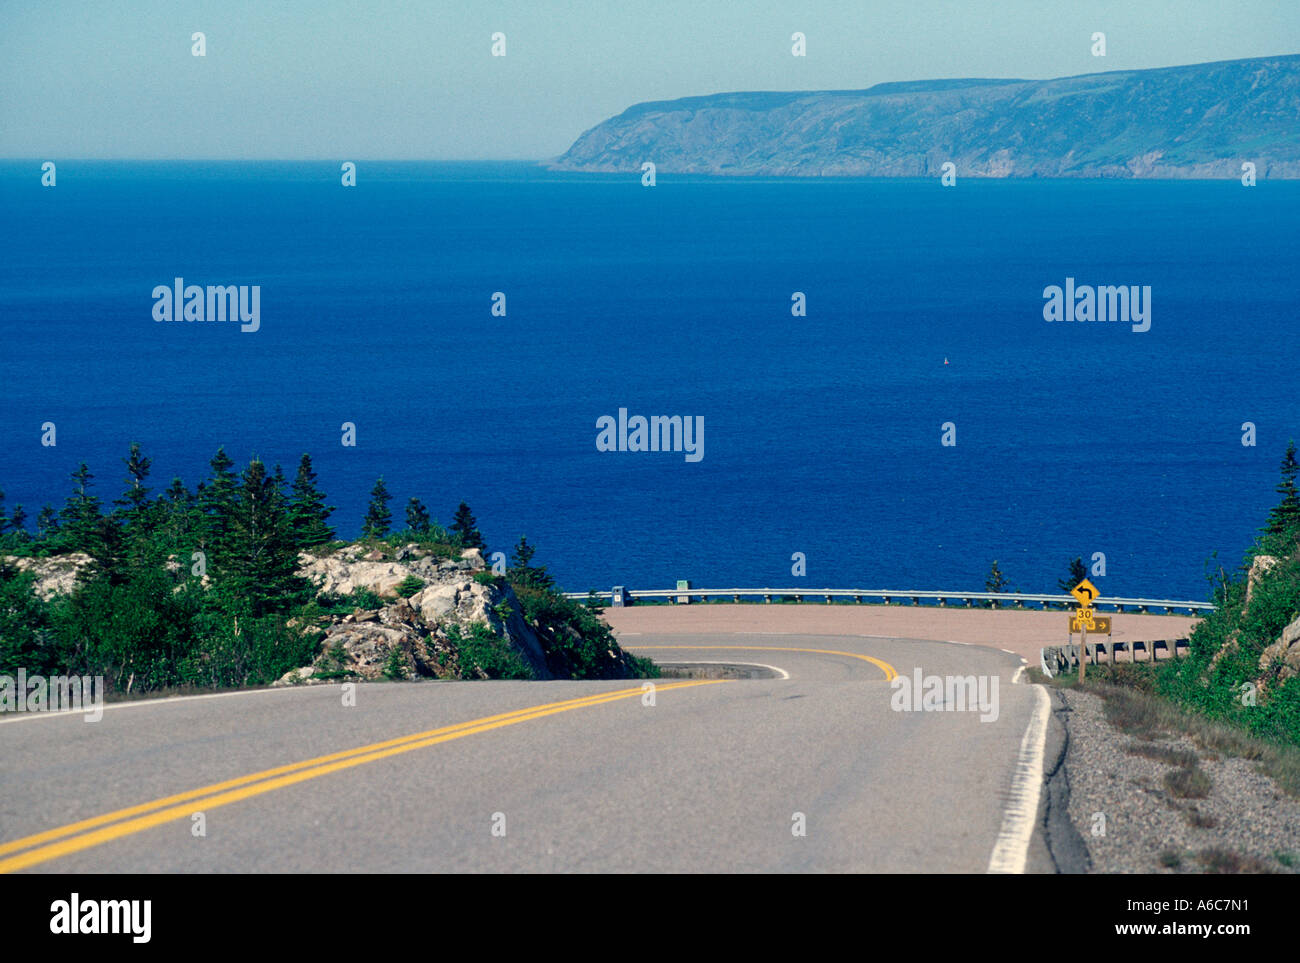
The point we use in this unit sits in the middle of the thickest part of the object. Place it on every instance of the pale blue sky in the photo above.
(389, 79)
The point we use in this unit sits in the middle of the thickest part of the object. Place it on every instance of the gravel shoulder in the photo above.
(1132, 822)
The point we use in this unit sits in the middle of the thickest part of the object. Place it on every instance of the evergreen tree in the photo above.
(136, 495)
(47, 525)
(136, 515)
(17, 524)
(261, 559)
(79, 521)
(1283, 526)
(996, 581)
(177, 494)
(307, 509)
(180, 522)
(280, 498)
(1078, 572)
(217, 502)
(113, 556)
(521, 558)
(521, 570)
(24, 636)
(417, 517)
(378, 517)
(465, 529)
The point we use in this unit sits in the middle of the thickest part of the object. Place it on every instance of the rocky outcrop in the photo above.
(1281, 660)
(411, 637)
(1260, 566)
(356, 567)
(1194, 121)
(56, 575)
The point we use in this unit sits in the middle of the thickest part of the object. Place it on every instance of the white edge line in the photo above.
(1011, 849)
(166, 700)
(761, 665)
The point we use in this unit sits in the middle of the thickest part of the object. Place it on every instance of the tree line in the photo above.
(195, 587)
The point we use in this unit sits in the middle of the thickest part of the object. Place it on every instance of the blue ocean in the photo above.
(822, 433)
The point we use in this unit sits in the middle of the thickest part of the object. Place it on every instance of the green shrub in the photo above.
(409, 586)
(578, 645)
(395, 668)
(362, 598)
(484, 653)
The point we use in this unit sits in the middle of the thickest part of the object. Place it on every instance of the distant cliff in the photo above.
(1201, 120)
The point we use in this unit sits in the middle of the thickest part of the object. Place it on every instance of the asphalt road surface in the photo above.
(810, 769)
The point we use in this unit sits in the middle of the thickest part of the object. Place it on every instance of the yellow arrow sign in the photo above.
(1086, 593)
(1098, 624)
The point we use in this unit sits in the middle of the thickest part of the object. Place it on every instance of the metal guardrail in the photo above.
(1055, 659)
(887, 597)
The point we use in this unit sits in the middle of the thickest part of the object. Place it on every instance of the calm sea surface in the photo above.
(822, 433)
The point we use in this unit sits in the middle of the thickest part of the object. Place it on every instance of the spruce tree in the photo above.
(261, 560)
(996, 581)
(465, 529)
(522, 571)
(136, 495)
(79, 520)
(307, 509)
(47, 525)
(24, 636)
(217, 503)
(378, 517)
(136, 515)
(417, 517)
(1283, 526)
(17, 524)
(1078, 572)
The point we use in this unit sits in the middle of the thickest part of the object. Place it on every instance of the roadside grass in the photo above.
(1182, 758)
(1201, 820)
(1132, 707)
(1188, 782)
(1219, 860)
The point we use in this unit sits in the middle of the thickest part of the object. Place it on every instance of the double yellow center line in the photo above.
(890, 672)
(75, 837)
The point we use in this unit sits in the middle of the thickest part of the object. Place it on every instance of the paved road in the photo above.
(1023, 632)
(708, 778)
